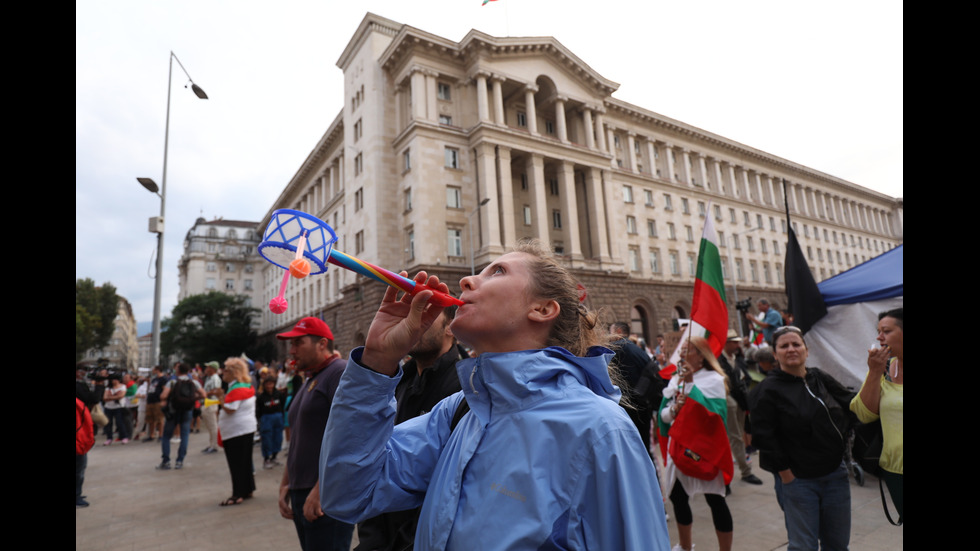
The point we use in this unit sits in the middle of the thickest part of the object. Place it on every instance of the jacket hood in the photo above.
(511, 381)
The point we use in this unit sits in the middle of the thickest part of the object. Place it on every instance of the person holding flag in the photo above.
(699, 458)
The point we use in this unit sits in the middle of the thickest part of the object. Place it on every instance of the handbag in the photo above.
(98, 416)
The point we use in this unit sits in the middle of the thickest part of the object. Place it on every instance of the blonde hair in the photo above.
(574, 329)
(239, 369)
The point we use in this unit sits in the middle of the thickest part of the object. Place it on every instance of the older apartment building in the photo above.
(446, 153)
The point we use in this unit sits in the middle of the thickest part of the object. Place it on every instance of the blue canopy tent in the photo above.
(839, 342)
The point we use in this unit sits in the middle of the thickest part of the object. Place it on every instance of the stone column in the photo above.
(758, 187)
(589, 129)
(744, 185)
(532, 113)
(569, 206)
(498, 99)
(686, 166)
(669, 156)
(702, 170)
(539, 205)
(432, 111)
(560, 119)
(631, 151)
(732, 180)
(506, 206)
(418, 94)
(600, 130)
(772, 192)
(482, 108)
(489, 218)
(595, 200)
(611, 140)
(652, 155)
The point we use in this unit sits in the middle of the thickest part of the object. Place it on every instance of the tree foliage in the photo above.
(207, 327)
(95, 315)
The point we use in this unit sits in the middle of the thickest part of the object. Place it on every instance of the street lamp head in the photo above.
(198, 91)
(484, 202)
(149, 184)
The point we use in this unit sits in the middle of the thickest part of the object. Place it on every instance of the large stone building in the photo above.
(122, 351)
(518, 137)
(220, 255)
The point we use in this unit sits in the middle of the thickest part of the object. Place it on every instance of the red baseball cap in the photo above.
(308, 326)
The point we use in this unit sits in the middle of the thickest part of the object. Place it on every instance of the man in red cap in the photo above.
(311, 347)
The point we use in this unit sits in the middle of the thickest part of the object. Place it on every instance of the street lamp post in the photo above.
(469, 224)
(157, 224)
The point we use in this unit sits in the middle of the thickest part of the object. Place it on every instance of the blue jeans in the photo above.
(270, 427)
(324, 533)
(81, 461)
(817, 511)
(184, 418)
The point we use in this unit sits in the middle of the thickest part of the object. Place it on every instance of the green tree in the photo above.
(95, 315)
(207, 327)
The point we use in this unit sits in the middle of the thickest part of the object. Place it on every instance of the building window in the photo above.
(724, 268)
(738, 246)
(452, 157)
(558, 248)
(527, 215)
(358, 130)
(766, 272)
(685, 207)
(631, 225)
(445, 120)
(675, 267)
(454, 197)
(750, 243)
(408, 199)
(654, 261)
(806, 231)
(249, 268)
(690, 233)
(549, 127)
(209, 284)
(758, 221)
(444, 92)
(820, 255)
(212, 247)
(762, 244)
(754, 271)
(745, 214)
(775, 246)
(634, 255)
(407, 160)
(359, 242)
(229, 284)
(721, 239)
(779, 274)
(358, 199)
(809, 253)
(556, 219)
(229, 267)
(524, 181)
(248, 284)
(691, 264)
(772, 224)
(411, 244)
(213, 232)
(648, 197)
(717, 213)
(212, 267)
(739, 271)
(358, 164)
(652, 228)
(553, 185)
(232, 234)
(627, 194)
(671, 233)
(455, 244)
(616, 141)
(522, 119)
(667, 203)
(701, 209)
(731, 216)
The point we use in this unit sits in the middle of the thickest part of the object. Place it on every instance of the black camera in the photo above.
(744, 305)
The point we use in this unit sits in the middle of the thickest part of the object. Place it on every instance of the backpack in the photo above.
(649, 389)
(84, 431)
(183, 395)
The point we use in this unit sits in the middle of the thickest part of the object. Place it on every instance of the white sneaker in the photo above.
(679, 548)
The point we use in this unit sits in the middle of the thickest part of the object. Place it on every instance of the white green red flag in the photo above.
(709, 309)
(698, 442)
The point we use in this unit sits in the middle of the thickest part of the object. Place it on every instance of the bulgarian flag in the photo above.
(485, 2)
(709, 312)
(237, 392)
(698, 442)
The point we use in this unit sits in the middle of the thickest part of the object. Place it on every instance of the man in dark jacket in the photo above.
(733, 364)
(631, 360)
(429, 376)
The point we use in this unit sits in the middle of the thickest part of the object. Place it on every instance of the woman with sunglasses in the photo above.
(800, 420)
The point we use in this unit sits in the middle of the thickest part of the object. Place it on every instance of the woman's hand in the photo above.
(399, 324)
(878, 360)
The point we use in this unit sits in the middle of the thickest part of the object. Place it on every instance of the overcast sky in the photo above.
(819, 84)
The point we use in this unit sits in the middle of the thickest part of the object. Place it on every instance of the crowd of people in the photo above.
(519, 415)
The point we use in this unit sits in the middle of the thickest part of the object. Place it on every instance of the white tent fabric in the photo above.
(838, 344)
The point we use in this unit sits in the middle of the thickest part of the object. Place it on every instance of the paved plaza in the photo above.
(136, 508)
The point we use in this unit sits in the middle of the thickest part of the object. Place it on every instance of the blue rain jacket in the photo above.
(545, 459)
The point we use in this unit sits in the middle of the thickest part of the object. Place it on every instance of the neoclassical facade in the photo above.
(446, 153)
(220, 255)
(122, 351)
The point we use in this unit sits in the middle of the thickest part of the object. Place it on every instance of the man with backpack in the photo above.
(178, 397)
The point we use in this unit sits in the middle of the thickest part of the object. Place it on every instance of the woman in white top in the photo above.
(236, 427)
